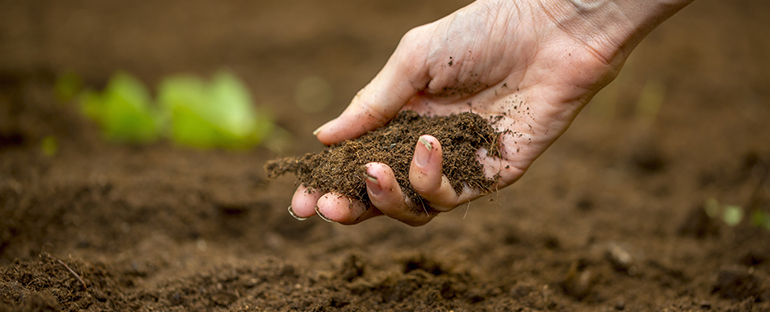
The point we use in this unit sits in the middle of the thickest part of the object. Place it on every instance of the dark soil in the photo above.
(610, 218)
(340, 168)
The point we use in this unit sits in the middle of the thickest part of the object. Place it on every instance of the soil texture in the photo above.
(617, 215)
(341, 167)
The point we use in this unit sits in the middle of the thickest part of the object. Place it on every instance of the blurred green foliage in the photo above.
(732, 215)
(123, 110)
(189, 110)
(729, 214)
(217, 114)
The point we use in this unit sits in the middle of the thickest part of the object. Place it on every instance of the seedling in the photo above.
(219, 114)
(123, 110)
(190, 111)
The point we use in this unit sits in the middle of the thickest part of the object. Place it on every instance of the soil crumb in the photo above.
(341, 167)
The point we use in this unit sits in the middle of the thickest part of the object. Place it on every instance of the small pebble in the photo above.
(620, 259)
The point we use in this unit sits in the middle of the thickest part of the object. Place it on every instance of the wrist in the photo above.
(610, 27)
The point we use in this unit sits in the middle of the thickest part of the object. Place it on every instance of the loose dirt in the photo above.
(610, 218)
(340, 168)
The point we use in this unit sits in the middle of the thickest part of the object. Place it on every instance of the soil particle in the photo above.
(753, 258)
(648, 158)
(40, 301)
(424, 264)
(352, 268)
(159, 228)
(41, 286)
(579, 280)
(340, 168)
(741, 284)
(619, 258)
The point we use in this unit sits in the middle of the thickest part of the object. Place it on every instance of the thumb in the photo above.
(378, 102)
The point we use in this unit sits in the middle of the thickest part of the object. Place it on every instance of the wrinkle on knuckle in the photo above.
(427, 189)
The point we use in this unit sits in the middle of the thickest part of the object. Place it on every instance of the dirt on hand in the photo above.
(341, 167)
(609, 218)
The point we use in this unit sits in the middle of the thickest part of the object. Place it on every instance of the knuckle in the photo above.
(413, 34)
(427, 189)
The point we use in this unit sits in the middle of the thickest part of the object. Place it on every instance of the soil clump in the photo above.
(341, 167)
(610, 218)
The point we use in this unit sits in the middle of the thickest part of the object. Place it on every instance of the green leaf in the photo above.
(127, 115)
(220, 114)
(231, 104)
(198, 114)
(123, 110)
(182, 97)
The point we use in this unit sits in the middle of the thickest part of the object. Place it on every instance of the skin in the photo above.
(536, 63)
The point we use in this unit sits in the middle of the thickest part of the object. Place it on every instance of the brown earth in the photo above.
(610, 218)
(340, 168)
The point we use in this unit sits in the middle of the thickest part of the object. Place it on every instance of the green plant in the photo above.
(190, 111)
(123, 110)
(217, 114)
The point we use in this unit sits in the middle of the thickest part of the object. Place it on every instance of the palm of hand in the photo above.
(512, 62)
(493, 58)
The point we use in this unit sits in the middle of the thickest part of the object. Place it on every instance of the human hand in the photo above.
(536, 63)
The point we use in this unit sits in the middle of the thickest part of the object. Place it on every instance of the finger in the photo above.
(334, 207)
(425, 174)
(386, 195)
(378, 102)
(303, 201)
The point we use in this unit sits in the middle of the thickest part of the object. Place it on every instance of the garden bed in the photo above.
(611, 217)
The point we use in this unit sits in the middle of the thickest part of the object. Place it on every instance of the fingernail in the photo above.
(291, 212)
(321, 215)
(372, 183)
(317, 131)
(422, 156)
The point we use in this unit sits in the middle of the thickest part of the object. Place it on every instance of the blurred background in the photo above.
(648, 168)
(276, 46)
(273, 46)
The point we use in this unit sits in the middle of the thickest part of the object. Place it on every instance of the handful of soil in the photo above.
(340, 168)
